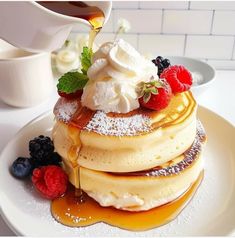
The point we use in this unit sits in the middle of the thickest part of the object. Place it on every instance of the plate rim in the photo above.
(50, 112)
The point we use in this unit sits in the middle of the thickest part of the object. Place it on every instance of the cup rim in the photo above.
(27, 57)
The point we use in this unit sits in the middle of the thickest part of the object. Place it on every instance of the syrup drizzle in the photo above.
(81, 117)
(79, 194)
(70, 212)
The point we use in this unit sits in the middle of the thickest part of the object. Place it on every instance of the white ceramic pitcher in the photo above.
(32, 27)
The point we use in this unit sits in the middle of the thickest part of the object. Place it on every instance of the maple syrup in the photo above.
(69, 211)
(81, 117)
(79, 9)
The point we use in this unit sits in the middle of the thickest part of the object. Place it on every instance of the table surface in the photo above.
(220, 98)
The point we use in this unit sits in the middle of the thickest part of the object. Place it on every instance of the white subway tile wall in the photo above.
(213, 5)
(161, 44)
(187, 22)
(224, 23)
(142, 21)
(209, 47)
(104, 37)
(164, 4)
(199, 29)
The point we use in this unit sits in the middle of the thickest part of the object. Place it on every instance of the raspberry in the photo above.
(156, 95)
(51, 181)
(179, 78)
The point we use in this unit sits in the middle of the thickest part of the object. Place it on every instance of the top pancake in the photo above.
(135, 141)
(134, 123)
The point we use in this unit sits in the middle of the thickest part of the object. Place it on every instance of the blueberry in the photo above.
(166, 63)
(21, 167)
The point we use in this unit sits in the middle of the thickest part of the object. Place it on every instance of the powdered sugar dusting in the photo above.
(118, 126)
(64, 109)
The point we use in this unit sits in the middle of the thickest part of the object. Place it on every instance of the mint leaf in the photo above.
(86, 59)
(71, 82)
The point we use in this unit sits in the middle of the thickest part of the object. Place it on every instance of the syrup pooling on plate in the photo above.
(70, 212)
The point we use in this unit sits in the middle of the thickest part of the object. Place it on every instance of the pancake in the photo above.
(137, 191)
(118, 151)
(136, 141)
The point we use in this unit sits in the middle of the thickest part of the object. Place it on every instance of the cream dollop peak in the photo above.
(116, 70)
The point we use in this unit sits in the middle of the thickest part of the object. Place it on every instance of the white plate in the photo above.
(211, 212)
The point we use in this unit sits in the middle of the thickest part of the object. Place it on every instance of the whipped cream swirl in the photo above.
(116, 70)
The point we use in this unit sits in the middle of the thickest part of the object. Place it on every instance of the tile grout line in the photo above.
(212, 22)
(138, 41)
(185, 43)
(167, 34)
(189, 5)
(233, 48)
(162, 19)
(175, 9)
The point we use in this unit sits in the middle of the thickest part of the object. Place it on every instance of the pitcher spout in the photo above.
(33, 27)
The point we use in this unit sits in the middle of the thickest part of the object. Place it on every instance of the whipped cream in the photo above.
(116, 70)
(67, 60)
(132, 202)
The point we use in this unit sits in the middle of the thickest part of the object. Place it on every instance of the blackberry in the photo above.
(22, 167)
(159, 59)
(161, 63)
(166, 63)
(41, 147)
(160, 69)
(53, 159)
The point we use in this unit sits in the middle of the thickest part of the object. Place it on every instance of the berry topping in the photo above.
(51, 181)
(166, 63)
(21, 167)
(155, 95)
(179, 78)
(161, 63)
(53, 159)
(41, 147)
(74, 95)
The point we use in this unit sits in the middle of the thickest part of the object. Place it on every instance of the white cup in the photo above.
(25, 78)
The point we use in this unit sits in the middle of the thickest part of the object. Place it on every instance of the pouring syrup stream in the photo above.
(95, 17)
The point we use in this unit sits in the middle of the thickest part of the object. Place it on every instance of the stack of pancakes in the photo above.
(134, 161)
